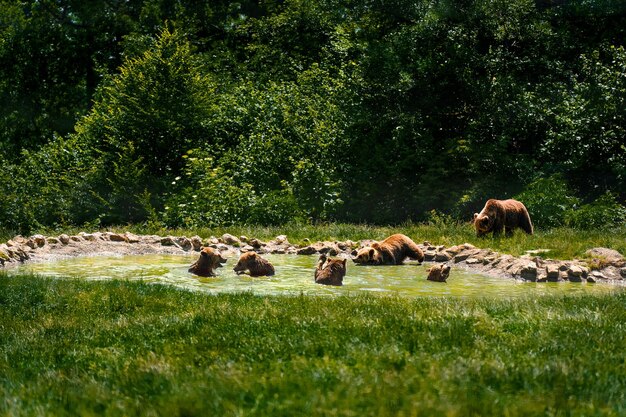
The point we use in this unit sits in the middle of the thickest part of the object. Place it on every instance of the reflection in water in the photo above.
(294, 275)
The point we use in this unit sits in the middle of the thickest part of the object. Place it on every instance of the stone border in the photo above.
(486, 261)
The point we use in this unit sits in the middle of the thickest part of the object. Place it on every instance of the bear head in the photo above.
(367, 255)
(209, 260)
(246, 260)
(482, 223)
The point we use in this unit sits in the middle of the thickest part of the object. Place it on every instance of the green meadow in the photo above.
(119, 348)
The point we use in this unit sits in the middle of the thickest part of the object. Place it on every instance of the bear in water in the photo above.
(391, 251)
(254, 264)
(330, 271)
(210, 259)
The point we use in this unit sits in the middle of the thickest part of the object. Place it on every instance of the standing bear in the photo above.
(254, 264)
(502, 214)
(210, 259)
(391, 251)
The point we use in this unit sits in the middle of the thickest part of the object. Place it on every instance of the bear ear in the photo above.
(475, 215)
(485, 219)
(371, 253)
(252, 254)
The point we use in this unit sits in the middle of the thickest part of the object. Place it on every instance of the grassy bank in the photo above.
(118, 348)
(563, 243)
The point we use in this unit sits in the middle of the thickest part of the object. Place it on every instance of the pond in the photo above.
(294, 275)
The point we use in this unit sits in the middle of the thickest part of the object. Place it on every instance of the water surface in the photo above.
(294, 275)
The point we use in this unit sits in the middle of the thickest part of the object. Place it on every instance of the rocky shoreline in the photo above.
(610, 265)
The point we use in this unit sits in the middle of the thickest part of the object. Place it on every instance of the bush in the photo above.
(548, 200)
(602, 213)
(207, 195)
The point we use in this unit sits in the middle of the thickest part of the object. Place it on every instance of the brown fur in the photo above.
(502, 214)
(391, 251)
(210, 259)
(330, 271)
(254, 264)
(438, 273)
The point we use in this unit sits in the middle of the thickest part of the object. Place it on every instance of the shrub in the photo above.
(604, 212)
(207, 195)
(548, 200)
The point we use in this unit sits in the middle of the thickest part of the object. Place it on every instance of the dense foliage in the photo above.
(197, 114)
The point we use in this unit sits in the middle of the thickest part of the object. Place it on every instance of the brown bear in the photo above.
(502, 214)
(391, 251)
(210, 259)
(330, 271)
(254, 264)
(438, 273)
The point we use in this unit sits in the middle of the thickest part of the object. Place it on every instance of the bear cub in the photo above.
(330, 271)
(210, 259)
(254, 264)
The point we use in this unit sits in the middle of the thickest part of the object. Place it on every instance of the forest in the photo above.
(186, 114)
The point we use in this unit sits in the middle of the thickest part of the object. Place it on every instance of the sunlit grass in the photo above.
(119, 348)
(562, 243)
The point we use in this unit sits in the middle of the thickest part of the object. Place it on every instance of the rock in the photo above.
(429, 255)
(529, 272)
(443, 256)
(552, 273)
(168, 241)
(281, 240)
(256, 243)
(229, 239)
(472, 261)
(610, 255)
(18, 240)
(151, 239)
(88, 236)
(247, 248)
(307, 250)
(328, 248)
(427, 243)
(37, 240)
(132, 238)
(196, 242)
(184, 243)
(595, 276)
(438, 273)
(212, 241)
(53, 240)
(465, 254)
(64, 239)
(576, 273)
(77, 238)
(622, 272)
(4, 254)
(116, 237)
(243, 239)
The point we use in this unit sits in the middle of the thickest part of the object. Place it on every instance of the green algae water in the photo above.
(294, 275)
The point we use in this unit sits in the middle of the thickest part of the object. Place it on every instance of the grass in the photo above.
(71, 347)
(563, 242)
